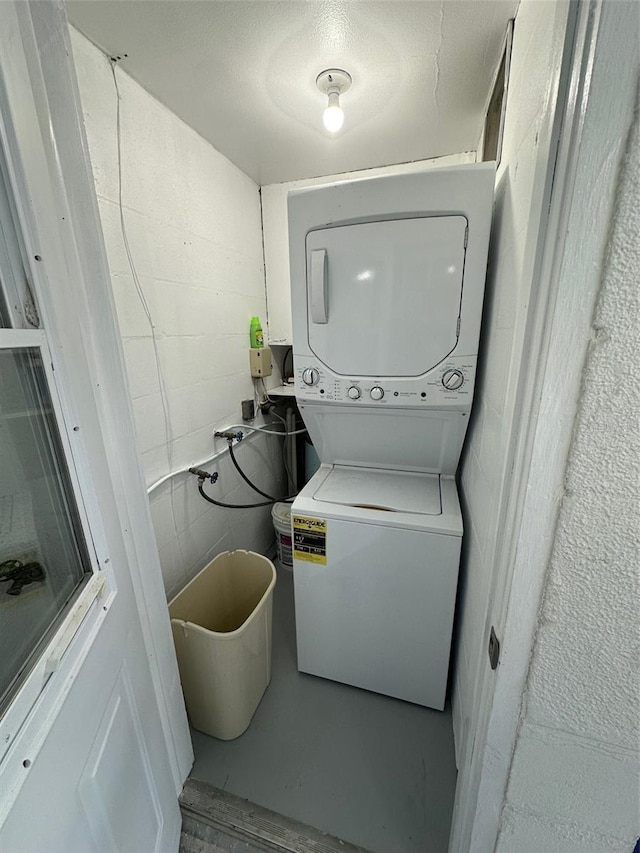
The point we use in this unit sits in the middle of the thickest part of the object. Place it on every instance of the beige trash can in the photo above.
(221, 624)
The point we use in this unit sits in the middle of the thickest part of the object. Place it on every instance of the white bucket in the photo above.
(281, 515)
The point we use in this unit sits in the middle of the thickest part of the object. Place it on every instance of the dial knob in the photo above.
(310, 376)
(376, 393)
(353, 392)
(452, 379)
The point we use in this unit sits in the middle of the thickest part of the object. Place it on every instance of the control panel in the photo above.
(450, 385)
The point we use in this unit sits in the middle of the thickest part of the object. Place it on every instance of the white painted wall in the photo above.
(575, 774)
(194, 227)
(535, 62)
(276, 233)
(596, 125)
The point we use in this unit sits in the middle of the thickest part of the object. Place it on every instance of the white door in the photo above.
(384, 297)
(90, 757)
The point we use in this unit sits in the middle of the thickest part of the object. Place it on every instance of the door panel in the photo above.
(95, 747)
(384, 297)
(101, 782)
(117, 819)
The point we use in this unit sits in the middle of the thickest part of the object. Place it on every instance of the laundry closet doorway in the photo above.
(531, 156)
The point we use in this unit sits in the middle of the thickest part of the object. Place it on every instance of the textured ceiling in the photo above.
(242, 73)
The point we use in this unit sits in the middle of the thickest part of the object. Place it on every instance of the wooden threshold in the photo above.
(264, 829)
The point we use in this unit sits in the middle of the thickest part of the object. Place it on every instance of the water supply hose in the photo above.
(229, 506)
(236, 465)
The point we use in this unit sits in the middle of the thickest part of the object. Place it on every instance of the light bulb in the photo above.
(333, 116)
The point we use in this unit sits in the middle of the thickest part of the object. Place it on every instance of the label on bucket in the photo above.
(285, 549)
(310, 539)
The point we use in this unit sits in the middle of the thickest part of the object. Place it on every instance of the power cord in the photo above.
(145, 306)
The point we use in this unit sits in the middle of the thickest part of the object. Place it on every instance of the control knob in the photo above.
(353, 393)
(310, 376)
(377, 393)
(452, 379)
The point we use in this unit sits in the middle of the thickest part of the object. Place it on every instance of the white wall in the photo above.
(575, 775)
(276, 233)
(194, 227)
(535, 62)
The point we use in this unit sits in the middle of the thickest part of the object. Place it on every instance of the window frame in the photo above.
(83, 614)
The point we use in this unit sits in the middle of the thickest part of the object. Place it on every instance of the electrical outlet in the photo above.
(260, 361)
(494, 648)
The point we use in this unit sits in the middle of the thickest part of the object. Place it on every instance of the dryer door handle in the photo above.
(319, 290)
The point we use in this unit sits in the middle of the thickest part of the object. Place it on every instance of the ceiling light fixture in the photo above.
(333, 82)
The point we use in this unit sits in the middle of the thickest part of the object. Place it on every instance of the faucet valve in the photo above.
(230, 435)
(204, 475)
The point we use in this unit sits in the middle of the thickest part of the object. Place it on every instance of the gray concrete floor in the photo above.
(369, 769)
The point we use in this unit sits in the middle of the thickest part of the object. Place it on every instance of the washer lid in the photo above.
(394, 491)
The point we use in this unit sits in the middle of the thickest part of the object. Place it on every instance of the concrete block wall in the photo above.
(194, 227)
(574, 784)
(484, 480)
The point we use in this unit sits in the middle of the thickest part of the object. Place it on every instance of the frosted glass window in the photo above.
(43, 557)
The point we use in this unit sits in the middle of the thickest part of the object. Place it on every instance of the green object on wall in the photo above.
(255, 333)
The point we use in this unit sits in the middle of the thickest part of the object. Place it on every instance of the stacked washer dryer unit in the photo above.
(387, 279)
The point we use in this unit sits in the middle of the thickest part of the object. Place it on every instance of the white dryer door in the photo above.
(383, 298)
